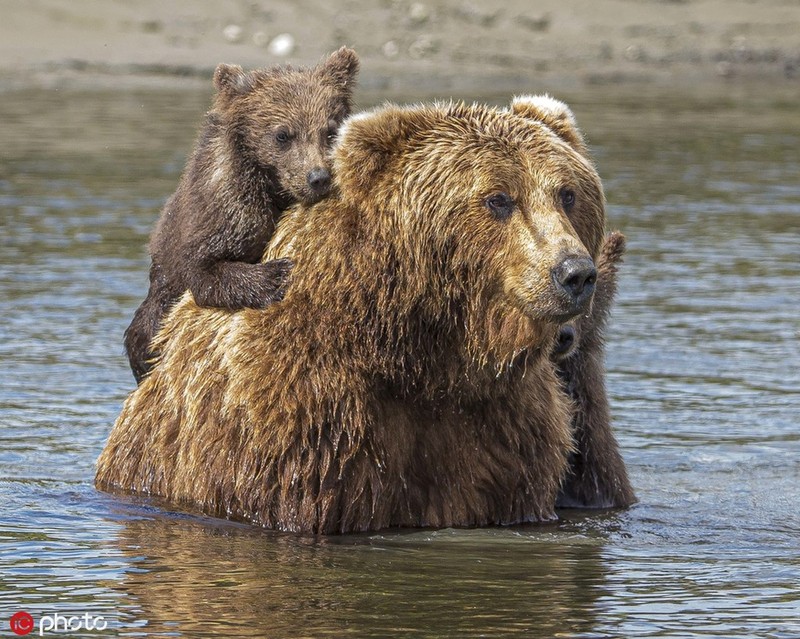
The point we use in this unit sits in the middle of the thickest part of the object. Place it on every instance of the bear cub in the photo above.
(596, 475)
(264, 146)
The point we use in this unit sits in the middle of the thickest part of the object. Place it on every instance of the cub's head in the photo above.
(494, 215)
(585, 332)
(284, 120)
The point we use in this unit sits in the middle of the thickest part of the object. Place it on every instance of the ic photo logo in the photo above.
(23, 623)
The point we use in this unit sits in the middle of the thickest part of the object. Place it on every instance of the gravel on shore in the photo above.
(428, 47)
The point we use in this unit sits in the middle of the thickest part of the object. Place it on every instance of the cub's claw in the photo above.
(277, 274)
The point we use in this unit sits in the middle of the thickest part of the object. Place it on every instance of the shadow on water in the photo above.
(703, 374)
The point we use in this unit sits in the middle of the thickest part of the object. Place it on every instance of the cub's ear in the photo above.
(554, 114)
(369, 142)
(341, 66)
(230, 79)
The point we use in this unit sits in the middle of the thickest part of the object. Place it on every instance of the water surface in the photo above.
(704, 369)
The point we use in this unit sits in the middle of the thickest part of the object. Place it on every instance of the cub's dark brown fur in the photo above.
(596, 477)
(264, 146)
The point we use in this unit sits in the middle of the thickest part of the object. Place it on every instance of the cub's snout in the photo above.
(574, 277)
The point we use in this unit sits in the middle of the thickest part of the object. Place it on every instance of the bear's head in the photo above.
(492, 216)
(284, 120)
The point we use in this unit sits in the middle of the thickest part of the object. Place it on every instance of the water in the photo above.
(704, 369)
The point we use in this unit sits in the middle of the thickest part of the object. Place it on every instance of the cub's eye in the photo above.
(501, 205)
(331, 130)
(282, 136)
(567, 199)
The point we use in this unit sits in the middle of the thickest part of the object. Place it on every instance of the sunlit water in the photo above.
(704, 369)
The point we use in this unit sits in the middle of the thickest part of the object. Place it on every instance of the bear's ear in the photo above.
(368, 141)
(554, 114)
(341, 66)
(230, 79)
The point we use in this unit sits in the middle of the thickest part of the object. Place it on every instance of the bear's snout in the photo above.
(319, 181)
(575, 277)
(565, 342)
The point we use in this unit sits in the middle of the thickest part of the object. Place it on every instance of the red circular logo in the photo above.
(21, 623)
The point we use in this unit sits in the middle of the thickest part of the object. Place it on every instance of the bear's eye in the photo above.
(282, 136)
(567, 199)
(501, 205)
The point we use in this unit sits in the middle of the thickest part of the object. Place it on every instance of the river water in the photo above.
(704, 371)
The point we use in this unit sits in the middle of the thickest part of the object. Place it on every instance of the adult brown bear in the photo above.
(406, 378)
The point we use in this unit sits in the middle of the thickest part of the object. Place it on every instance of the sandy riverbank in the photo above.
(430, 47)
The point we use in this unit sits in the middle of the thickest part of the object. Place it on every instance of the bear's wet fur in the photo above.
(264, 146)
(407, 378)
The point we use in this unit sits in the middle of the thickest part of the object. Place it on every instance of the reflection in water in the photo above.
(703, 358)
(451, 583)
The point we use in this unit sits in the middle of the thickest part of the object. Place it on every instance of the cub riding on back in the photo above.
(264, 147)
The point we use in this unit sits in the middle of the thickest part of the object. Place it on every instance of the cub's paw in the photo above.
(611, 253)
(275, 276)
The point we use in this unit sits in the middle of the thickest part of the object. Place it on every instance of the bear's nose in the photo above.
(565, 341)
(319, 179)
(576, 276)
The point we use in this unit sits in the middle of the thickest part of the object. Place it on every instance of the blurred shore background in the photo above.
(426, 48)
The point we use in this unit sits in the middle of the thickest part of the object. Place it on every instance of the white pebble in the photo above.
(232, 33)
(390, 49)
(282, 45)
(422, 47)
(418, 13)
